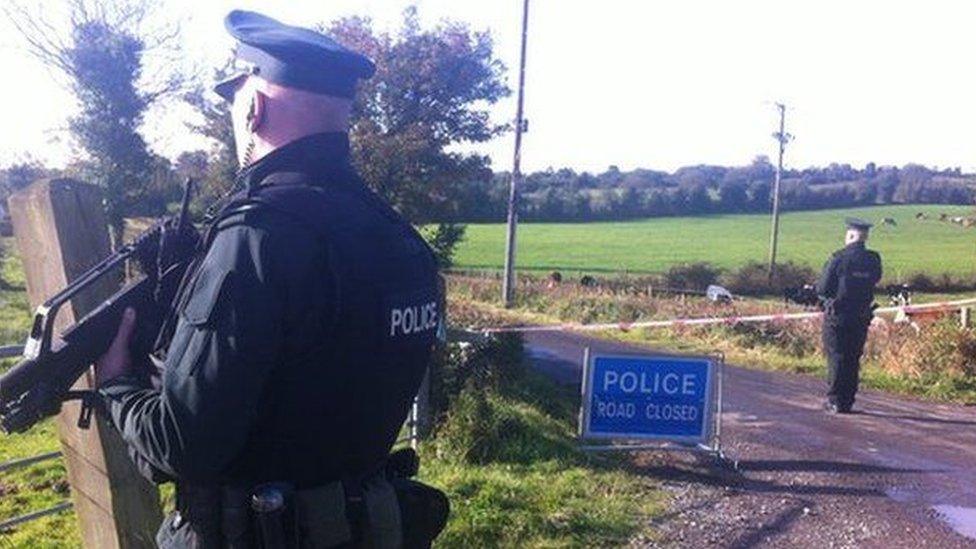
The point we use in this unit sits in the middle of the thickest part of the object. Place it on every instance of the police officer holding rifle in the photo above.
(300, 335)
(846, 288)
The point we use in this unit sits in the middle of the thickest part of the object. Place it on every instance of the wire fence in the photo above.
(10, 523)
(7, 466)
(24, 462)
(14, 351)
(11, 351)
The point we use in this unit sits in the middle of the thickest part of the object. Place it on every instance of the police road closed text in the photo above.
(652, 397)
(650, 382)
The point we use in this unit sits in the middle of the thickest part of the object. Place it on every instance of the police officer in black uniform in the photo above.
(846, 288)
(302, 332)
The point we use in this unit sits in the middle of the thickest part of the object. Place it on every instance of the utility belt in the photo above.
(847, 314)
(383, 510)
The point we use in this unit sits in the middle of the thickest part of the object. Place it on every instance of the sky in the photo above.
(636, 83)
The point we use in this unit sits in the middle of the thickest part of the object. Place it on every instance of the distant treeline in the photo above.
(565, 195)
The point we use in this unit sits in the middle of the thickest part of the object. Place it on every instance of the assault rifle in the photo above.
(35, 388)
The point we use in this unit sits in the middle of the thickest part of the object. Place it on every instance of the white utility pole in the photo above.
(508, 285)
(782, 138)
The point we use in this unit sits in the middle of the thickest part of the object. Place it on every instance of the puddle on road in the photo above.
(961, 519)
(898, 494)
(544, 354)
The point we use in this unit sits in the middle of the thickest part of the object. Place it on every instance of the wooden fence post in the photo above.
(61, 231)
(964, 314)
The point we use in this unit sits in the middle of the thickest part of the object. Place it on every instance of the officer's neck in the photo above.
(276, 138)
(316, 153)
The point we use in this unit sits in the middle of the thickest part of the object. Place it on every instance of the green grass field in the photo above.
(653, 245)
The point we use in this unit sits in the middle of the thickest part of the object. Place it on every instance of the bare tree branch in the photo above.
(40, 43)
(51, 45)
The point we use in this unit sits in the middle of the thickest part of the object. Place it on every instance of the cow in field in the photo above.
(943, 217)
(899, 295)
(921, 216)
(805, 295)
(889, 222)
(587, 281)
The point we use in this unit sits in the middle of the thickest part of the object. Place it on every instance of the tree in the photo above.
(870, 169)
(759, 195)
(865, 192)
(733, 197)
(100, 59)
(602, 204)
(20, 174)
(431, 91)
(191, 164)
(222, 167)
(443, 239)
(886, 181)
(761, 169)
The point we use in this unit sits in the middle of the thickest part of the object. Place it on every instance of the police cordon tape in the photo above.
(704, 321)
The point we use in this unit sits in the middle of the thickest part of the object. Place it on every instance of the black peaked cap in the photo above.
(858, 223)
(295, 57)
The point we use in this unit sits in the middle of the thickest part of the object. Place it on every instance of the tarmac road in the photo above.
(899, 473)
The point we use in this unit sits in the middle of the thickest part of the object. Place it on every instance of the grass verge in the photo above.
(33, 488)
(528, 485)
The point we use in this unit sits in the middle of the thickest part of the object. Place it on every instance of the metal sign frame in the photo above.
(711, 442)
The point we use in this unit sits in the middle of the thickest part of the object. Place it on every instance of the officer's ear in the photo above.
(256, 111)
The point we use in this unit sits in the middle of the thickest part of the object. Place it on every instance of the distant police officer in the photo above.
(301, 335)
(846, 287)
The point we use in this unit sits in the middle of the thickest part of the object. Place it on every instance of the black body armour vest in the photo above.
(337, 398)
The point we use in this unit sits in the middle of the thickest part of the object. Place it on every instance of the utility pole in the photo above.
(782, 138)
(508, 285)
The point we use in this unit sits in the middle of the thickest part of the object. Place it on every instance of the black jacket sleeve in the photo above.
(878, 271)
(827, 284)
(227, 338)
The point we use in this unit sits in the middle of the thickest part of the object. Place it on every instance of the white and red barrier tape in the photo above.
(625, 326)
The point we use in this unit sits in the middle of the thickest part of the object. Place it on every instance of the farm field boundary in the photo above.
(728, 241)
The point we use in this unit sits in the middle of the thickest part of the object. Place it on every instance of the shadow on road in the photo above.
(822, 466)
(561, 371)
(737, 481)
(777, 526)
(678, 511)
(921, 419)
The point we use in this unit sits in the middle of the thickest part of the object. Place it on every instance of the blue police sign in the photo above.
(648, 397)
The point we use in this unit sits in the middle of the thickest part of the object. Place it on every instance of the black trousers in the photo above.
(843, 342)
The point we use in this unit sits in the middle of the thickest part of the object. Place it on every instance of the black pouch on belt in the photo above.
(196, 520)
(423, 511)
(235, 518)
(275, 515)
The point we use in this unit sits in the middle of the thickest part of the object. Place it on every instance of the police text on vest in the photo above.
(413, 319)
